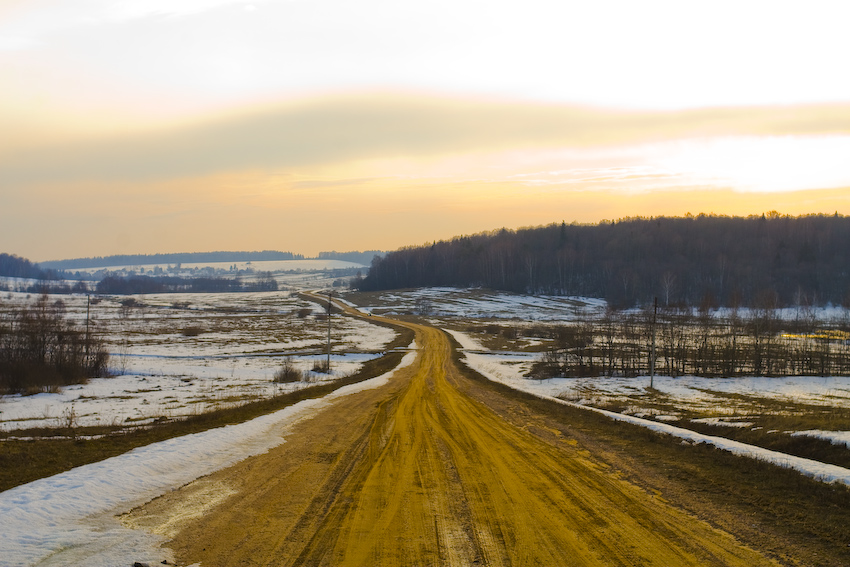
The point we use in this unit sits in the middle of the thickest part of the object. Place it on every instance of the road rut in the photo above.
(419, 473)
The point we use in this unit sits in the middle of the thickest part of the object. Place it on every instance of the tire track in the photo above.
(418, 473)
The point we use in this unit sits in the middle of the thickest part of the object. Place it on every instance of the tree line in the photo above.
(364, 258)
(14, 266)
(719, 260)
(754, 342)
(41, 350)
(174, 258)
(118, 285)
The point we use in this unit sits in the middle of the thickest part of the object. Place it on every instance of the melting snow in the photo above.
(69, 518)
(723, 421)
(835, 437)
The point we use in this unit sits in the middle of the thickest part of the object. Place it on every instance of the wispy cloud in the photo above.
(345, 129)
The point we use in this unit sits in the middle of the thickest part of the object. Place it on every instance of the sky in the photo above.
(148, 126)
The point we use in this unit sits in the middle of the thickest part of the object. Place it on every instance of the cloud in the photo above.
(341, 129)
(25, 25)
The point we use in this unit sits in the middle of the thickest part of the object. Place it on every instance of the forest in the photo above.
(711, 260)
(14, 266)
(170, 284)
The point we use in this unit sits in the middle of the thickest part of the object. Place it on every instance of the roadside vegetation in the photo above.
(41, 350)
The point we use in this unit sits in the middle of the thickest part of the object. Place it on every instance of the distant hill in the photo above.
(182, 258)
(364, 258)
(767, 259)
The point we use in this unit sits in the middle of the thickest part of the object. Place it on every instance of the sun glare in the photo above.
(762, 164)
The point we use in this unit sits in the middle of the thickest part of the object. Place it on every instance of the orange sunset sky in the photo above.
(143, 126)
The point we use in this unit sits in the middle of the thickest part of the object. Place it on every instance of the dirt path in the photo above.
(419, 473)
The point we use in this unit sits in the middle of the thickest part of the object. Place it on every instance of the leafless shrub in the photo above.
(68, 420)
(288, 372)
(40, 349)
(303, 312)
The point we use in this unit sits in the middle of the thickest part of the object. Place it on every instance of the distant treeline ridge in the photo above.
(364, 258)
(168, 284)
(769, 259)
(175, 258)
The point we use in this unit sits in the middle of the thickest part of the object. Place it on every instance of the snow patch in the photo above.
(722, 421)
(835, 437)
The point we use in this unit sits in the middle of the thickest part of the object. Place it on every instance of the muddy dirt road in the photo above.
(420, 473)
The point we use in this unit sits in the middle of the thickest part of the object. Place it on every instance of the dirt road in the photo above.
(419, 473)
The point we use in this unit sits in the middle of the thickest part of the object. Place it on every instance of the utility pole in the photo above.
(652, 353)
(88, 311)
(328, 367)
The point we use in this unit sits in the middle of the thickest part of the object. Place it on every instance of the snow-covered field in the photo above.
(181, 354)
(311, 265)
(174, 355)
(465, 304)
(445, 303)
(689, 393)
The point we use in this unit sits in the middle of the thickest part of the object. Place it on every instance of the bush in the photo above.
(288, 372)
